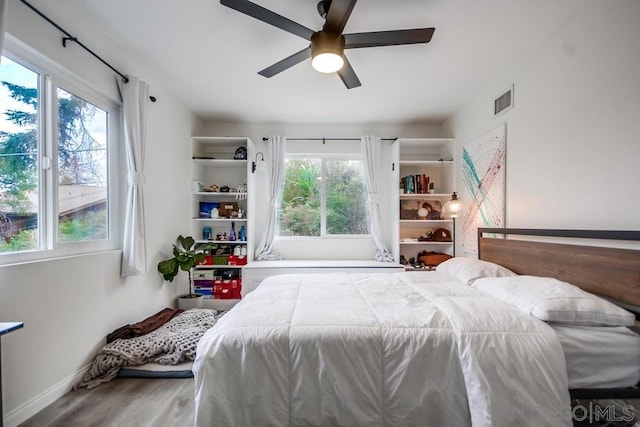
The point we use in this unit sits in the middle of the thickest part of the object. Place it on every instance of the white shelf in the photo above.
(425, 162)
(213, 162)
(424, 195)
(423, 157)
(220, 194)
(218, 267)
(221, 162)
(223, 242)
(220, 219)
(430, 242)
(426, 221)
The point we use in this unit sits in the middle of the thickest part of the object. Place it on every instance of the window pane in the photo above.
(82, 170)
(299, 213)
(18, 157)
(347, 207)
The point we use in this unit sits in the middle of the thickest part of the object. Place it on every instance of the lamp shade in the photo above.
(327, 62)
(453, 208)
(326, 52)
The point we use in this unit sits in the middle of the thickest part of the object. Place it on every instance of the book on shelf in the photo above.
(415, 184)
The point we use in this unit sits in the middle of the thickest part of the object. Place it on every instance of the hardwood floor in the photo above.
(130, 402)
(157, 402)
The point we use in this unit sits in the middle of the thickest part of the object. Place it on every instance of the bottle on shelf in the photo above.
(242, 235)
(232, 233)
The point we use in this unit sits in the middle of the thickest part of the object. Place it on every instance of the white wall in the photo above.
(352, 249)
(573, 136)
(69, 305)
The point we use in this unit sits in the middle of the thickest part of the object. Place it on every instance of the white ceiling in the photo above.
(211, 55)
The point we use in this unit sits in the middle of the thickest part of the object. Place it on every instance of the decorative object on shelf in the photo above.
(206, 209)
(225, 189)
(206, 233)
(432, 259)
(260, 165)
(185, 257)
(420, 209)
(241, 192)
(197, 186)
(441, 235)
(232, 233)
(242, 236)
(214, 188)
(240, 154)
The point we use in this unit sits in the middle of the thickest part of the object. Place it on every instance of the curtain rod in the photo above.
(321, 138)
(70, 38)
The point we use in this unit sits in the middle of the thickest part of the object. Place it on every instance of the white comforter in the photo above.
(402, 349)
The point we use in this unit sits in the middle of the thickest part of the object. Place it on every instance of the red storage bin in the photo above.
(208, 260)
(237, 260)
(236, 288)
(226, 291)
(217, 288)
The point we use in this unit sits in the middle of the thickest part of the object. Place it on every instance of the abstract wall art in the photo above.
(483, 177)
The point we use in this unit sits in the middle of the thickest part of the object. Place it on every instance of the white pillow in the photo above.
(552, 300)
(469, 269)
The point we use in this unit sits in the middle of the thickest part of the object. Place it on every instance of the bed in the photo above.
(402, 349)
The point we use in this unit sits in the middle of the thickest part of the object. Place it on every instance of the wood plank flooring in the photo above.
(158, 402)
(130, 402)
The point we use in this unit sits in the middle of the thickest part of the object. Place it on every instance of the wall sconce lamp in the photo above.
(258, 164)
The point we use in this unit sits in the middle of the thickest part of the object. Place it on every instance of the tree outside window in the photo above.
(323, 197)
(82, 188)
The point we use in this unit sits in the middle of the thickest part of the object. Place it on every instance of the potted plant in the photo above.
(185, 257)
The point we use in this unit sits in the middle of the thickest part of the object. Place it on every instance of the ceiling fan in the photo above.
(327, 45)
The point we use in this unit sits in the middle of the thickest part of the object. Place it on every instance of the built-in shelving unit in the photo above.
(214, 165)
(423, 173)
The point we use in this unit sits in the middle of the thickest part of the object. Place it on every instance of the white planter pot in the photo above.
(186, 303)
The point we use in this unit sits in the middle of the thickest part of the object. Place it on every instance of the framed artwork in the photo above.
(483, 192)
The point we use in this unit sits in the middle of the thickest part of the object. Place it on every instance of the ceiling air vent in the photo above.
(503, 102)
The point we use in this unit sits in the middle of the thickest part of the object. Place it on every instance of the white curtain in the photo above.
(371, 153)
(277, 147)
(135, 95)
(3, 21)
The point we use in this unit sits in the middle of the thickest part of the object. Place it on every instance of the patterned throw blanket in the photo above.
(171, 344)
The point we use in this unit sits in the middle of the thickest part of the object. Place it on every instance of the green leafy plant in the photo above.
(185, 257)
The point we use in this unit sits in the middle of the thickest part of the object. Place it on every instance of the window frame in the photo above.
(53, 76)
(323, 157)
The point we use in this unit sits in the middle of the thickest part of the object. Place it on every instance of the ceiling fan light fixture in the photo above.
(327, 62)
(326, 52)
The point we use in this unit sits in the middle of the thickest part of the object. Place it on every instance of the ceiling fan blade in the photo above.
(348, 76)
(388, 38)
(271, 18)
(338, 15)
(288, 62)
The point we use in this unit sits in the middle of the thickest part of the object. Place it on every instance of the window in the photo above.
(323, 195)
(57, 177)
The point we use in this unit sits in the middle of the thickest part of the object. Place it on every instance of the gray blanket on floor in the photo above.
(172, 343)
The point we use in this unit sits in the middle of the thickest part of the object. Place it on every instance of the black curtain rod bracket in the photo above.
(70, 38)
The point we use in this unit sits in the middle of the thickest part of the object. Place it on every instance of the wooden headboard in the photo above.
(610, 272)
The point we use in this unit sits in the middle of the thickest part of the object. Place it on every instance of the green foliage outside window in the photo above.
(344, 194)
(81, 162)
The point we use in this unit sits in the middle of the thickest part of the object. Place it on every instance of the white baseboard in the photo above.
(28, 409)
